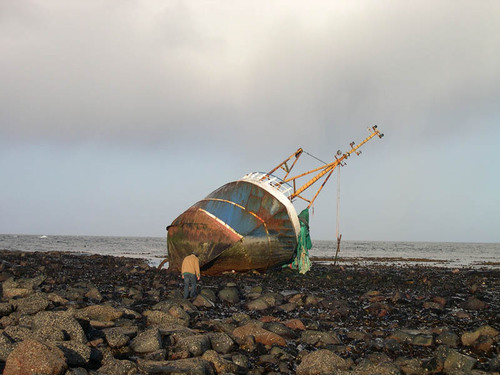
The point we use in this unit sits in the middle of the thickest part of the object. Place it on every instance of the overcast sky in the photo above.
(116, 116)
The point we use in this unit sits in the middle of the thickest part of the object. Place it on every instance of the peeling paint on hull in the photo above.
(243, 225)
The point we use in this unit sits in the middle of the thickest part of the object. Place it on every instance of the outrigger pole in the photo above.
(325, 170)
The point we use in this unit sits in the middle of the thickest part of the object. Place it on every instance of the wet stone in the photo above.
(229, 295)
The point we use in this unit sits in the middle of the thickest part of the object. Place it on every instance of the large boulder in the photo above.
(35, 357)
(321, 361)
(46, 322)
(32, 304)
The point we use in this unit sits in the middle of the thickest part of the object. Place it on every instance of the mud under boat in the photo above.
(252, 223)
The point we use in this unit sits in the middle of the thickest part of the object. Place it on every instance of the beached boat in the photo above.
(252, 223)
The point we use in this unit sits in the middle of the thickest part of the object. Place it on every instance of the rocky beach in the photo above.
(62, 313)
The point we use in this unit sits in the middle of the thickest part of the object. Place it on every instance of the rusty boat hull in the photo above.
(244, 225)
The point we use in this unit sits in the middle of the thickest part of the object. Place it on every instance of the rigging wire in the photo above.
(318, 159)
(339, 236)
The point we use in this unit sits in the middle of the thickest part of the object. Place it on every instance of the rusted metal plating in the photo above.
(250, 223)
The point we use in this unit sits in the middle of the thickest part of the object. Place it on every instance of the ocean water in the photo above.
(154, 249)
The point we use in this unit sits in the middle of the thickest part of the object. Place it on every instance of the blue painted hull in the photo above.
(243, 225)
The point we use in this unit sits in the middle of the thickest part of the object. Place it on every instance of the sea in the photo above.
(154, 250)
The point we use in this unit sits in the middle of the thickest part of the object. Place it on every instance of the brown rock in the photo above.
(261, 335)
(35, 357)
(104, 313)
(295, 324)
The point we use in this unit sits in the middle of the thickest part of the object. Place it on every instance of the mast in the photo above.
(325, 170)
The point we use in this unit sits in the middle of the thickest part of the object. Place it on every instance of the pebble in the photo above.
(363, 320)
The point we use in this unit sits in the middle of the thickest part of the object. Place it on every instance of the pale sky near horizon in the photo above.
(117, 116)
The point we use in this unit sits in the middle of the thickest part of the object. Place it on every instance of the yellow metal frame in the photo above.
(326, 169)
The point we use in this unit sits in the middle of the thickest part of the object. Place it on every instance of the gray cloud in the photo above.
(120, 70)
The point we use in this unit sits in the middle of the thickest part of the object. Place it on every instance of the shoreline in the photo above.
(418, 319)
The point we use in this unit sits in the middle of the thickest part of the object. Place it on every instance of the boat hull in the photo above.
(244, 225)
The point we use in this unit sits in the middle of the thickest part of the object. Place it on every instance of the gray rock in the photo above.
(221, 365)
(369, 368)
(494, 364)
(474, 303)
(18, 333)
(203, 301)
(456, 361)
(411, 366)
(31, 304)
(118, 367)
(280, 329)
(63, 321)
(321, 361)
(159, 355)
(115, 337)
(105, 313)
(208, 294)
(230, 295)
(157, 317)
(193, 366)
(196, 345)
(240, 359)
(448, 338)
(51, 334)
(258, 304)
(288, 307)
(76, 353)
(32, 283)
(221, 342)
(147, 341)
(319, 338)
(5, 308)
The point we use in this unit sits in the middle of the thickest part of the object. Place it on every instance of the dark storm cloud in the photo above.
(133, 70)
